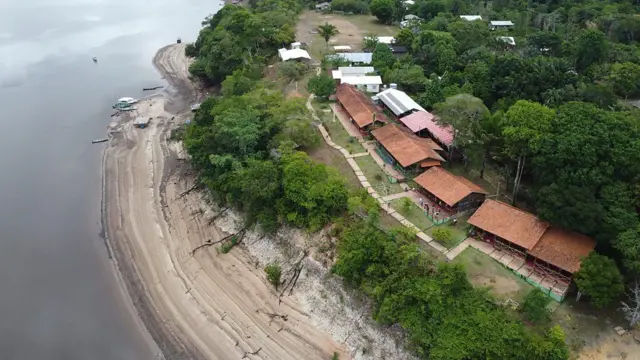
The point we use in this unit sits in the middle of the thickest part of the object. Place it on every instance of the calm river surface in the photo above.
(59, 297)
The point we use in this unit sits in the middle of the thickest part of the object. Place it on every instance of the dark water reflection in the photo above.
(59, 298)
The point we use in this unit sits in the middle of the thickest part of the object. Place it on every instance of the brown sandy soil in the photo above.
(210, 305)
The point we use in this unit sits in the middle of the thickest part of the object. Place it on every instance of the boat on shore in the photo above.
(125, 102)
(97, 141)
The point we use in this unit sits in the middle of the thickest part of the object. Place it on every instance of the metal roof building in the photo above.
(398, 102)
(363, 58)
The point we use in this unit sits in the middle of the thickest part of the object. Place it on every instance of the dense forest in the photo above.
(549, 111)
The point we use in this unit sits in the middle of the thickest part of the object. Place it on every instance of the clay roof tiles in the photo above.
(406, 147)
(510, 223)
(563, 248)
(358, 106)
(447, 186)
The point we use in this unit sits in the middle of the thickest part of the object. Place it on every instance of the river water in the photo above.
(59, 296)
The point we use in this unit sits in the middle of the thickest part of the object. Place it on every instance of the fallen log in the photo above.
(246, 354)
(186, 192)
(211, 242)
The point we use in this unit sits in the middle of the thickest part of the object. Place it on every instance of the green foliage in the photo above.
(625, 79)
(464, 113)
(628, 244)
(384, 10)
(599, 278)
(292, 70)
(227, 246)
(321, 85)
(353, 6)
(382, 57)
(274, 272)
(409, 78)
(444, 316)
(407, 204)
(190, 50)
(237, 35)
(591, 48)
(534, 307)
(442, 235)
(327, 31)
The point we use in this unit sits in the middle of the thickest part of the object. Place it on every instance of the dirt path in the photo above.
(202, 306)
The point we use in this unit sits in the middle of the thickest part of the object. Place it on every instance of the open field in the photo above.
(482, 270)
(352, 28)
(327, 155)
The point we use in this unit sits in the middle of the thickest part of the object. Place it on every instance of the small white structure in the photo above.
(408, 3)
(412, 17)
(323, 6)
(471, 17)
(367, 83)
(293, 54)
(501, 24)
(296, 45)
(509, 40)
(342, 48)
(353, 58)
(351, 71)
(387, 40)
(398, 102)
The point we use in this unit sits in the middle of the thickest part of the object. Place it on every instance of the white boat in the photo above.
(125, 102)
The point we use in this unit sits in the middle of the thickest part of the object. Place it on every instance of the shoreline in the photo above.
(194, 306)
(126, 271)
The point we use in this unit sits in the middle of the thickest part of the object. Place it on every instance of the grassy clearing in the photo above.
(483, 270)
(412, 213)
(327, 155)
(458, 231)
(376, 176)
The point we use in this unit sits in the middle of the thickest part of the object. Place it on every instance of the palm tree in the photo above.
(327, 31)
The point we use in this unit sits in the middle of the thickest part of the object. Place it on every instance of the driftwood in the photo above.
(246, 354)
(297, 269)
(186, 192)
(209, 242)
(216, 216)
(276, 316)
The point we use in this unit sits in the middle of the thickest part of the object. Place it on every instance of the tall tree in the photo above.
(382, 57)
(327, 31)
(524, 125)
(464, 113)
(591, 48)
(625, 79)
(384, 10)
(600, 279)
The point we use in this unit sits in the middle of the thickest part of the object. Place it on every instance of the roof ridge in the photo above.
(522, 211)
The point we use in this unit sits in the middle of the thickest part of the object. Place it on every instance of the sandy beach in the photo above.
(205, 304)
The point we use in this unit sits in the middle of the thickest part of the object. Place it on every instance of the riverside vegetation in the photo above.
(248, 145)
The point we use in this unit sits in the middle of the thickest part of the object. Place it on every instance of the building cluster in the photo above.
(416, 143)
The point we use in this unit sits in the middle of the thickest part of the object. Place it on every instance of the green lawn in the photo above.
(376, 176)
(458, 232)
(338, 134)
(483, 270)
(413, 213)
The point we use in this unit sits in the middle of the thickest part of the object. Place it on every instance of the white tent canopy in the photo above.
(293, 54)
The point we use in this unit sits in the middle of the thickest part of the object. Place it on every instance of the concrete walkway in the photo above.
(372, 191)
(351, 129)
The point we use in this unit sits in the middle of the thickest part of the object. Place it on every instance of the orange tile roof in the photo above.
(510, 223)
(358, 105)
(406, 147)
(563, 248)
(447, 186)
